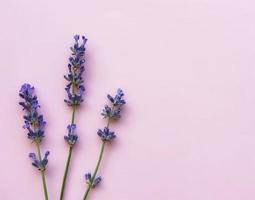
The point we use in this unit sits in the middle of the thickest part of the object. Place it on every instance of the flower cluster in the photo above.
(117, 102)
(34, 122)
(71, 138)
(89, 180)
(106, 134)
(39, 164)
(75, 87)
(112, 112)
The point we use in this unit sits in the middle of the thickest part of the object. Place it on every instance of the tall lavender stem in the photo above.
(75, 90)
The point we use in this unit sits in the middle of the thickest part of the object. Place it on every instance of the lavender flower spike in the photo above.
(39, 164)
(106, 134)
(33, 121)
(34, 124)
(111, 112)
(71, 138)
(75, 87)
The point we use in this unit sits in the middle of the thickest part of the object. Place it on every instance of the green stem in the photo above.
(98, 163)
(42, 172)
(44, 185)
(68, 161)
(73, 114)
(65, 173)
(95, 171)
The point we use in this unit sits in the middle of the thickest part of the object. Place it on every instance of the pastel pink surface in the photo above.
(187, 68)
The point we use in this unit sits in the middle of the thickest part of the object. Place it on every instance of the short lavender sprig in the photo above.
(34, 124)
(110, 113)
(75, 90)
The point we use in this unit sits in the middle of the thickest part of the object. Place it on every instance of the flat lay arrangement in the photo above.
(35, 125)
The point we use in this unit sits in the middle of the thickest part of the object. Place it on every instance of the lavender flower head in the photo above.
(75, 87)
(33, 121)
(39, 164)
(106, 134)
(89, 180)
(71, 138)
(113, 111)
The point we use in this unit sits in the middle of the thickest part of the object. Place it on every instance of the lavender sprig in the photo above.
(71, 138)
(39, 164)
(111, 113)
(34, 123)
(75, 90)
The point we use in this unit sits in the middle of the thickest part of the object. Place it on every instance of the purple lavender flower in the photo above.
(117, 100)
(71, 138)
(96, 181)
(33, 121)
(114, 111)
(30, 100)
(39, 164)
(89, 180)
(106, 134)
(75, 87)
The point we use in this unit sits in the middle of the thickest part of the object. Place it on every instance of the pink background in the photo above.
(187, 68)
